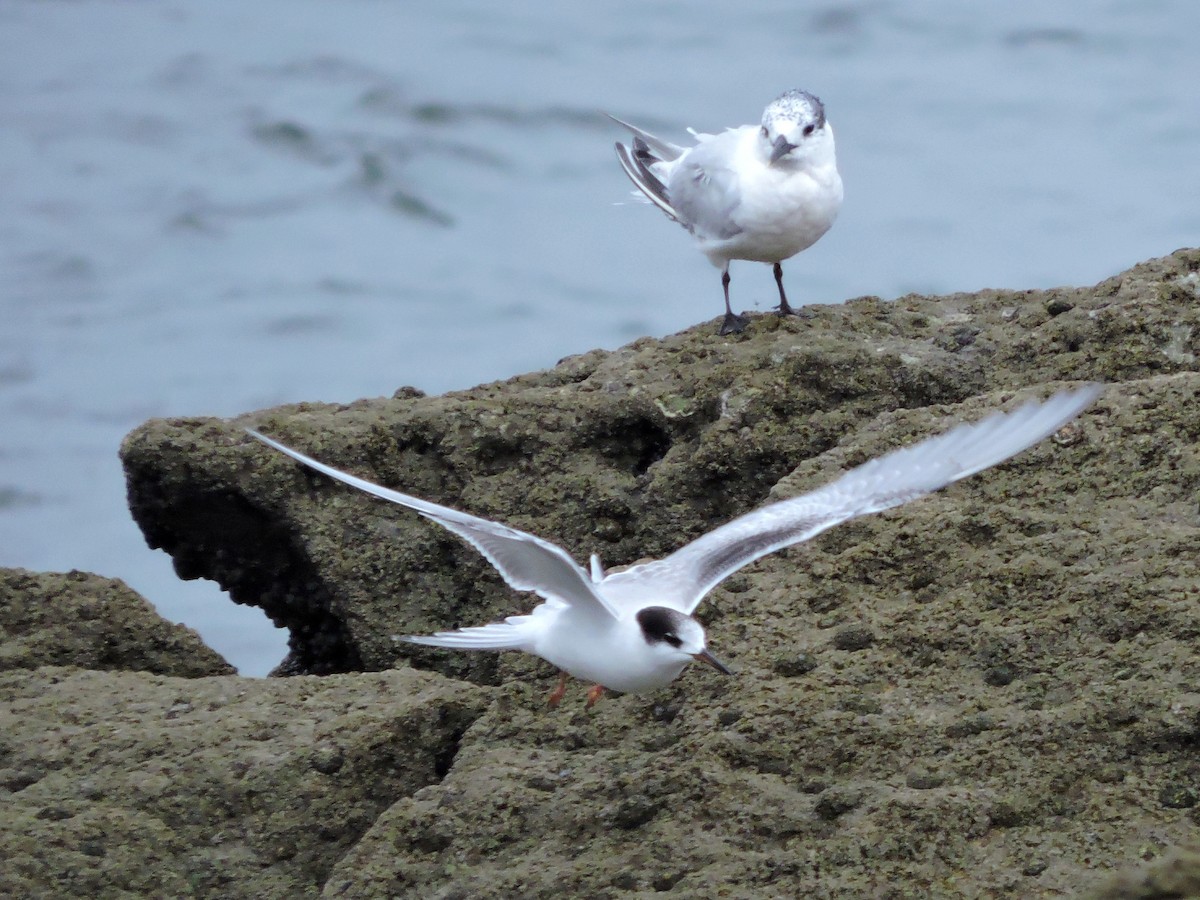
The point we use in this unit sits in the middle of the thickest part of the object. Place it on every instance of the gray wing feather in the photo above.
(507, 635)
(704, 189)
(525, 561)
(665, 150)
(645, 181)
(686, 576)
(701, 190)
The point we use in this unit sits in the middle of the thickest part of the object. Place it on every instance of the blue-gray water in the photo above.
(212, 207)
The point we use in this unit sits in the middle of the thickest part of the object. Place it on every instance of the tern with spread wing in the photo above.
(633, 631)
(759, 192)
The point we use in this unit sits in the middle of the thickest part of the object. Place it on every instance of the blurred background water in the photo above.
(211, 207)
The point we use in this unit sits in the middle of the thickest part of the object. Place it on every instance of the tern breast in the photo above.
(615, 655)
(781, 209)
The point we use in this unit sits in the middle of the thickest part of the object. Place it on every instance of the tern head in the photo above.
(676, 637)
(793, 122)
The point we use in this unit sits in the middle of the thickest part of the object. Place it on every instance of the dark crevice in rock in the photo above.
(633, 444)
(443, 760)
(220, 536)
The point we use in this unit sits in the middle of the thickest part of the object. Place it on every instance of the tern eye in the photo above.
(809, 129)
(672, 638)
(764, 131)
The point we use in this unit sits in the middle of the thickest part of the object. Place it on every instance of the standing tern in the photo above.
(759, 192)
(633, 630)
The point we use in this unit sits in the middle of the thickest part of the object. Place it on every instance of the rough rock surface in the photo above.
(118, 784)
(85, 620)
(989, 692)
(1175, 875)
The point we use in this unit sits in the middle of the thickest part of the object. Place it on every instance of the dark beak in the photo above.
(781, 148)
(706, 657)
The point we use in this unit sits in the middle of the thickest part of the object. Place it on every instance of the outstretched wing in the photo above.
(683, 579)
(525, 561)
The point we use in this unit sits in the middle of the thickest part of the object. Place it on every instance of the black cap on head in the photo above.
(663, 625)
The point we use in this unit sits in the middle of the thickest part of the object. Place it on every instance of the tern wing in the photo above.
(506, 635)
(684, 578)
(704, 188)
(663, 150)
(525, 561)
(644, 180)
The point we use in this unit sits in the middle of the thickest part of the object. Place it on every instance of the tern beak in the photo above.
(705, 657)
(781, 148)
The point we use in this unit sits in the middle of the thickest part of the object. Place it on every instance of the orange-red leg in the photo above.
(595, 692)
(556, 695)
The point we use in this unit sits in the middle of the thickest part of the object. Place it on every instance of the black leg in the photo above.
(733, 324)
(785, 308)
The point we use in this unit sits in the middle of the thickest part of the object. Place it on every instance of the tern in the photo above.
(633, 631)
(759, 192)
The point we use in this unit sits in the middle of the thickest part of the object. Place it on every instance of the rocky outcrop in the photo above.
(633, 452)
(119, 784)
(80, 619)
(991, 691)
(125, 772)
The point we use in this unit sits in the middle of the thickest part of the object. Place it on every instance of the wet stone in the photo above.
(666, 712)
(970, 725)
(728, 717)
(327, 759)
(836, 802)
(924, 781)
(1177, 796)
(999, 675)
(854, 638)
(92, 848)
(633, 812)
(793, 665)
